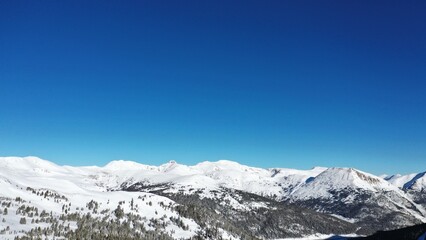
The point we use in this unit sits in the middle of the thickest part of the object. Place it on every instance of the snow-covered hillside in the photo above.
(207, 200)
(359, 197)
(414, 185)
(415, 181)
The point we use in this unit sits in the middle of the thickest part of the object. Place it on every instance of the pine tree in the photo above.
(119, 213)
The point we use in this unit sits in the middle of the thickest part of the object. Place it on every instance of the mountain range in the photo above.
(210, 200)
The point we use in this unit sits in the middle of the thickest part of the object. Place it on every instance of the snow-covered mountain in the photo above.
(370, 201)
(206, 201)
(413, 184)
(415, 181)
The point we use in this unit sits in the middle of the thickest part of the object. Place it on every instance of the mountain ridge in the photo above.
(348, 197)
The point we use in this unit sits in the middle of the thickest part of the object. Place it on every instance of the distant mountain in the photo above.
(415, 181)
(356, 196)
(210, 200)
(414, 185)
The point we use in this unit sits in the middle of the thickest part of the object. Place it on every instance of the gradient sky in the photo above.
(265, 83)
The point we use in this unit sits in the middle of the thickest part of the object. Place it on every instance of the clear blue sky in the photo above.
(265, 83)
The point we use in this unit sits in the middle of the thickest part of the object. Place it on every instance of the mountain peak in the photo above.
(116, 165)
(352, 176)
(418, 182)
(318, 168)
(337, 178)
(27, 163)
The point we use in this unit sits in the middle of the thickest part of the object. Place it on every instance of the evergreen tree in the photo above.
(119, 213)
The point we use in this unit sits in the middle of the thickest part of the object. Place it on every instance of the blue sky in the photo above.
(265, 83)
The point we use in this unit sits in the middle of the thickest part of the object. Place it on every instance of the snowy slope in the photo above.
(207, 175)
(415, 181)
(359, 197)
(25, 178)
(42, 185)
(45, 185)
(340, 178)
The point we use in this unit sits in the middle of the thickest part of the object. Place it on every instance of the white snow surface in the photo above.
(414, 181)
(339, 178)
(82, 184)
(19, 176)
(79, 185)
(277, 182)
